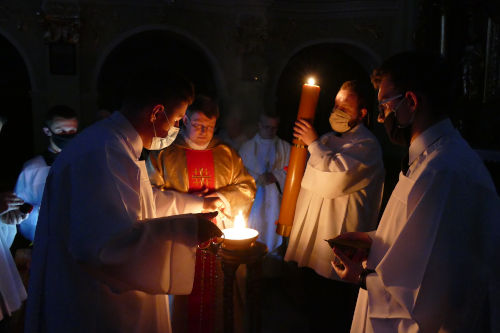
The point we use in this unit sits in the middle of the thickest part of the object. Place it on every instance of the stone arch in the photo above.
(319, 58)
(23, 54)
(16, 90)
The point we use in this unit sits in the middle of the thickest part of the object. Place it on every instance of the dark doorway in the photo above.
(331, 67)
(157, 50)
(16, 136)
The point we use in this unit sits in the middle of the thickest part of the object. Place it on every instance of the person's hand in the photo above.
(349, 260)
(347, 269)
(206, 228)
(201, 193)
(212, 203)
(9, 201)
(304, 131)
(13, 217)
(266, 178)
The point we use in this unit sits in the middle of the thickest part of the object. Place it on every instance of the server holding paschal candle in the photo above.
(341, 191)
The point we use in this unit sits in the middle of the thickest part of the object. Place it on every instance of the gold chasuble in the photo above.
(218, 168)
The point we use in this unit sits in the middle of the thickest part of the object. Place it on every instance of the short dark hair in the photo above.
(420, 72)
(204, 104)
(269, 114)
(363, 91)
(61, 111)
(149, 88)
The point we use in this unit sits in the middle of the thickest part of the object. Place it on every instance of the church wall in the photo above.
(248, 43)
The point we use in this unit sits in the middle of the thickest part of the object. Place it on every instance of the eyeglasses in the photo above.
(383, 105)
(200, 127)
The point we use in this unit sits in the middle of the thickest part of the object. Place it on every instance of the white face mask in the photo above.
(158, 143)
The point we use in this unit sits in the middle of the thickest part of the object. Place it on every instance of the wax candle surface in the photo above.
(297, 162)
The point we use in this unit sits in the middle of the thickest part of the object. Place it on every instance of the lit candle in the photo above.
(297, 162)
(239, 236)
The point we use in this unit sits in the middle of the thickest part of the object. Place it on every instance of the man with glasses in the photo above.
(433, 260)
(203, 166)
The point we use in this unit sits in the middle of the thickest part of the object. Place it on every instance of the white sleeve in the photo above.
(175, 203)
(104, 235)
(438, 258)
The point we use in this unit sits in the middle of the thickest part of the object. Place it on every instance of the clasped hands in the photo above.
(211, 201)
(348, 262)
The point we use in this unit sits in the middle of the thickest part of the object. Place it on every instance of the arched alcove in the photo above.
(16, 136)
(156, 49)
(330, 64)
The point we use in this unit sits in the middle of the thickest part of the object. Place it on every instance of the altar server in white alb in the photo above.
(342, 185)
(266, 156)
(433, 262)
(341, 191)
(101, 261)
(61, 125)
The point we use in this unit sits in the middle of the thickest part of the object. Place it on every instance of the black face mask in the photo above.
(397, 135)
(62, 140)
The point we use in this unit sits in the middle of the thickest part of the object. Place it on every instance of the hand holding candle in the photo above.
(298, 156)
(304, 131)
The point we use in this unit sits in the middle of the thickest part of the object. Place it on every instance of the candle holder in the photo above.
(239, 238)
(251, 254)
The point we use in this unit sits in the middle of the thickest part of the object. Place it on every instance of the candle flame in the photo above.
(239, 221)
(239, 231)
(311, 81)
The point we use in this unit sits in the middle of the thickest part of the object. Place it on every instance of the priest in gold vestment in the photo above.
(202, 166)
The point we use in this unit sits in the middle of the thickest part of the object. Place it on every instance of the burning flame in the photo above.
(311, 81)
(239, 221)
(239, 231)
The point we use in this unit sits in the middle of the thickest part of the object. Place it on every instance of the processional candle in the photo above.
(297, 163)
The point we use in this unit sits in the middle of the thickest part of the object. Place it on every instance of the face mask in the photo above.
(61, 140)
(398, 135)
(339, 121)
(158, 143)
(193, 145)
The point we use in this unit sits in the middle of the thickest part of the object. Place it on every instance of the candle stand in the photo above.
(231, 259)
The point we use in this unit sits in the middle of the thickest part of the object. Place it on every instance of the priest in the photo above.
(201, 165)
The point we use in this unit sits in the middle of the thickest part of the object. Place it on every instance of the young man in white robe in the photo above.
(266, 156)
(101, 261)
(61, 125)
(433, 261)
(341, 191)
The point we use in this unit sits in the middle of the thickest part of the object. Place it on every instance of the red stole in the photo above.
(201, 301)
(200, 168)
